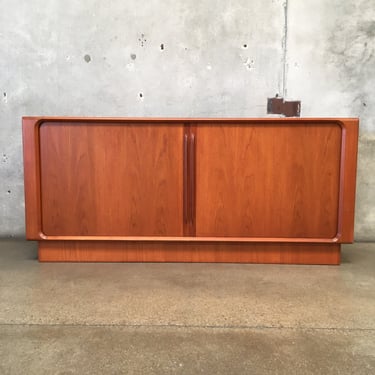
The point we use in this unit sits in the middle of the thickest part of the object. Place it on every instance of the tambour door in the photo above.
(111, 178)
(268, 180)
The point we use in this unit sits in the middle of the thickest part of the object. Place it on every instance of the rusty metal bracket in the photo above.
(279, 106)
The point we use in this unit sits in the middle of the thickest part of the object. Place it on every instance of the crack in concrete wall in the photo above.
(285, 50)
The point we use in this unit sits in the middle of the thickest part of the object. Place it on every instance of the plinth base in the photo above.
(124, 251)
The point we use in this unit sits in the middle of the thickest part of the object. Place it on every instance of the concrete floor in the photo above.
(186, 318)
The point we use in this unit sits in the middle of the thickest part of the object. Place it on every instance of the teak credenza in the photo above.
(269, 190)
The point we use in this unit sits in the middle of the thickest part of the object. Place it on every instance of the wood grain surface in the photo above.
(190, 190)
(111, 179)
(31, 168)
(268, 180)
(348, 179)
(119, 251)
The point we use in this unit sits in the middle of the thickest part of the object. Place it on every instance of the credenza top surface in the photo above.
(179, 119)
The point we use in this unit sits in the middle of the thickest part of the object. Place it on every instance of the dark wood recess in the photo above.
(273, 190)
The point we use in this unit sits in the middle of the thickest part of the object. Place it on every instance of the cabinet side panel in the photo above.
(112, 179)
(268, 180)
(349, 167)
(31, 178)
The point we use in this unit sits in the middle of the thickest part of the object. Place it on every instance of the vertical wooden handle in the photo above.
(192, 178)
(185, 179)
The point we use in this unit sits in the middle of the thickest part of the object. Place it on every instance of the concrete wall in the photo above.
(183, 58)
